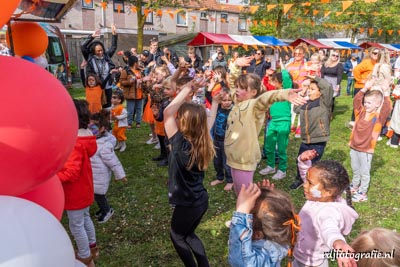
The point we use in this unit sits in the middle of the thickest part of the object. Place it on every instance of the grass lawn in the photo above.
(138, 233)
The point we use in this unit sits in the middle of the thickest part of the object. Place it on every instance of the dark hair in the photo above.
(101, 119)
(277, 76)
(334, 178)
(132, 60)
(82, 108)
(119, 94)
(145, 53)
(183, 80)
(95, 76)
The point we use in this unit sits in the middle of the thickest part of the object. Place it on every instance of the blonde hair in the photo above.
(193, 126)
(316, 56)
(329, 62)
(163, 69)
(380, 239)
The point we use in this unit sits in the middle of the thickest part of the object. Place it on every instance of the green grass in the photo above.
(138, 233)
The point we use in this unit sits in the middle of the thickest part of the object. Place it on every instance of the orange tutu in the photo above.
(148, 116)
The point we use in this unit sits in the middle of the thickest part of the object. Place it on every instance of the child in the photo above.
(378, 240)
(77, 180)
(103, 162)
(371, 108)
(278, 128)
(313, 66)
(191, 151)
(263, 229)
(394, 126)
(245, 122)
(325, 217)
(119, 116)
(131, 80)
(217, 82)
(167, 95)
(218, 135)
(314, 120)
(93, 90)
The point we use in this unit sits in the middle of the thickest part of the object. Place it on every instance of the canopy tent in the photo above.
(206, 39)
(42, 10)
(270, 41)
(390, 47)
(246, 40)
(366, 45)
(396, 45)
(310, 42)
(338, 44)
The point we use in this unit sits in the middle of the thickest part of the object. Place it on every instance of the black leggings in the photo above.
(183, 224)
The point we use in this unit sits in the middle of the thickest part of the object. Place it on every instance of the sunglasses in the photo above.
(114, 97)
(335, 55)
(375, 53)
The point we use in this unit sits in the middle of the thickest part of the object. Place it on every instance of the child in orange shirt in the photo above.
(120, 117)
(93, 90)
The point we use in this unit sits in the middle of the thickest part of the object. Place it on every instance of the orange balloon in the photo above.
(29, 39)
(7, 9)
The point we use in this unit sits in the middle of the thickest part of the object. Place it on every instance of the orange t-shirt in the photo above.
(93, 97)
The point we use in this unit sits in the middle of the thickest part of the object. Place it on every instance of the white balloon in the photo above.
(30, 236)
(41, 61)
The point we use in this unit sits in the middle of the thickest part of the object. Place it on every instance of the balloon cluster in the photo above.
(38, 129)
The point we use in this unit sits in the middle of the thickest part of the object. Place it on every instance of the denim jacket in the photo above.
(245, 252)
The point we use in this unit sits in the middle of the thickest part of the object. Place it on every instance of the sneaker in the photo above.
(359, 197)
(279, 175)
(105, 217)
(118, 146)
(162, 163)
(388, 143)
(267, 170)
(152, 141)
(353, 189)
(379, 138)
(123, 146)
(157, 146)
(297, 134)
(215, 182)
(228, 187)
(97, 214)
(296, 185)
(350, 124)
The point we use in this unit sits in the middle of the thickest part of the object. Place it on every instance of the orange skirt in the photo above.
(119, 132)
(93, 97)
(148, 116)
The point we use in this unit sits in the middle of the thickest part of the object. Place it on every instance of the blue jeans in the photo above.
(222, 169)
(350, 84)
(134, 108)
(319, 147)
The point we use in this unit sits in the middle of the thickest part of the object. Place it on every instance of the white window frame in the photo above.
(179, 18)
(87, 6)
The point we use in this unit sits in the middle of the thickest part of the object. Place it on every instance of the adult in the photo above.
(215, 55)
(155, 53)
(193, 59)
(348, 67)
(232, 60)
(171, 56)
(258, 65)
(332, 71)
(322, 55)
(220, 61)
(363, 70)
(99, 60)
(134, 52)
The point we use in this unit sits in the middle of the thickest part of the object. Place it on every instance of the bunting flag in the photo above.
(88, 1)
(286, 8)
(269, 7)
(264, 23)
(306, 11)
(226, 48)
(299, 20)
(270, 23)
(255, 23)
(172, 15)
(286, 49)
(245, 47)
(133, 9)
(119, 7)
(346, 5)
(315, 12)
(146, 12)
(222, 20)
(178, 10)
(325, 1)
(361, 30)
(193, 17)
(390, 32)
(380, 32)
(183, 16)
(203, 8)
(398, 32)
(159, 13)
(326, 13)
(103, 5)
(306, 4)
(370, 31)
(253, 9)
(255, 47)
(338, 14)
(343, 52)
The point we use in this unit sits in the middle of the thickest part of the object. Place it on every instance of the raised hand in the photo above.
(308, 155)
(296, 99)
(247, 198)
(113, 29)
(96, 33)
(243, 61)
(266, 184)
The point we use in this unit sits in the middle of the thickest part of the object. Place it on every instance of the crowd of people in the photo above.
(213, 112)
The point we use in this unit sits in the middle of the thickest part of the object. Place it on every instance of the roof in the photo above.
(246, 40)
(309, 42)
(207, 38)
(45, 10)
(339, 44)
(366, 45)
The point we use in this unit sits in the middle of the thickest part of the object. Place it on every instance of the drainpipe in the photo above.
(215, 23)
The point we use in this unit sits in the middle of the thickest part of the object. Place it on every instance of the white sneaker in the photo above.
(388, 143)
(118, 146)
(152, 141)
(123, 147)
(267, 170)
(157, 146)
(379, 138)
(279, 175)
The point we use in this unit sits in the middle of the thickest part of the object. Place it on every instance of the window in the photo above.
(118, 6)
(203, 15)
(149, 18)
(224, 17)
(87, 4)
(242, 23)
(181, 18)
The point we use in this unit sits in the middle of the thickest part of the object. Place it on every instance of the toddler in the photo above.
(313, 66)
(325, 217)
(263, 228)
(120, 118)
(371, 108)
(77, 179)
(103, 163)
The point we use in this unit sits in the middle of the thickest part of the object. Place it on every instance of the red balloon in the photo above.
(29, 39)
(49, 195)
(7, 9)
(38, 125)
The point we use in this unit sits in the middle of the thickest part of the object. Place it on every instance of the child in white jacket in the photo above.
(104, 162)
